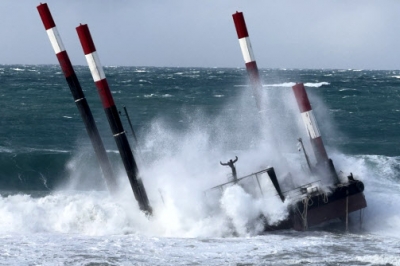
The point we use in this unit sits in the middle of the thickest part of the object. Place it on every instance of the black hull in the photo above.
(319, 208)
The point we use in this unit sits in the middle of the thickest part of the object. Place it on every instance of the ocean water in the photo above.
(56, 210)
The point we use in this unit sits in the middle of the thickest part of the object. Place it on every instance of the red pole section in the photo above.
(248, 55)
(310, 123)
(113, 117)
(95, 67)
(55, 39)
(78, 95)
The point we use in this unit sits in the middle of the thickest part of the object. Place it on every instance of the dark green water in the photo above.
(41, 131)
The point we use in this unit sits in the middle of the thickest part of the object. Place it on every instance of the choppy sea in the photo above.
(55, 208)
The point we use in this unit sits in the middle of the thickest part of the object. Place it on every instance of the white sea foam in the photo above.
(88, 214)
(285, 84)
(316, 85)
(92, 227)
(29, 150)
(144, 81)
(179, 164)
(291, 84)
(380, 176)
(347, 89)
(5, 150)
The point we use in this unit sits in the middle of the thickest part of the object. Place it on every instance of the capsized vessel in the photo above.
(309, 204)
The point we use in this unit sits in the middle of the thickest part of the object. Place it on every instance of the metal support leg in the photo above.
(347, 211)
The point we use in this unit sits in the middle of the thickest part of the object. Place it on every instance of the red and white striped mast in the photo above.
(113, 118)
(78, 95)
(255, 81)
(313, 131)
(248, 56)
(310, 123)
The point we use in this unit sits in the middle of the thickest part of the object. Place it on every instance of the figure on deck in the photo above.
(230, 164)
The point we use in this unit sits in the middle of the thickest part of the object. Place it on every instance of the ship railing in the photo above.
(303, 191)
(257, 184)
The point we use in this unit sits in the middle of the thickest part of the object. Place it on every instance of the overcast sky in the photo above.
(360, 34)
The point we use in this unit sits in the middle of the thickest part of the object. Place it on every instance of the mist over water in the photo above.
(187, 122)
(184, 164)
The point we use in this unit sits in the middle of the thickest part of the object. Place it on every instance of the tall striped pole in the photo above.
(78, 96)
(324, 164)
(310, 123)
(248, 56)
(113, 117)
(252, 71)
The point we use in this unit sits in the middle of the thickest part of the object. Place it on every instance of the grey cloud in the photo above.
(284, 34)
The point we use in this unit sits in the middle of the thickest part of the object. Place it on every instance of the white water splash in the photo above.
(291, 84)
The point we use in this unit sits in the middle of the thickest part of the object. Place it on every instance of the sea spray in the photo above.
(247, 214)
(111, 231)
(180, 164)
(380, 176)
(291, 84)
(83, 172)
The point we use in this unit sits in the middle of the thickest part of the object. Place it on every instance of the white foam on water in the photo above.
(291, 84)
(189, 226)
